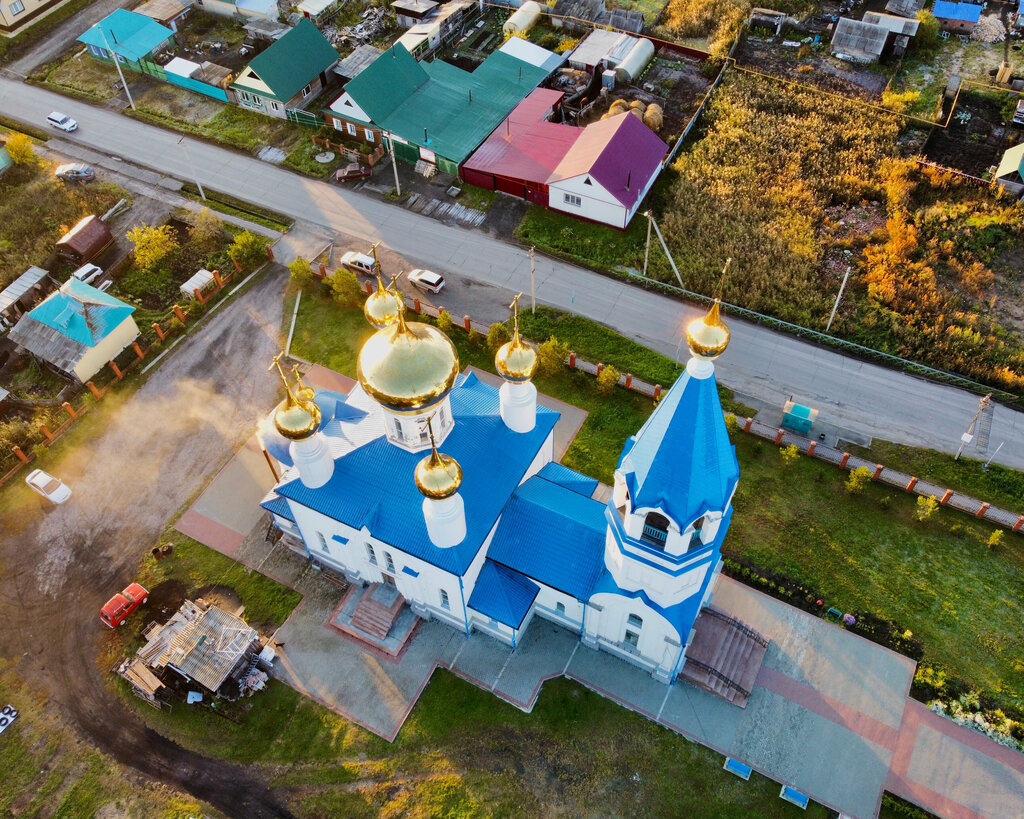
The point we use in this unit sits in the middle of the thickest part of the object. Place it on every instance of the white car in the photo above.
(62, 122)
(426, 280)
(88, 273)
(359, 263)
(51, 488)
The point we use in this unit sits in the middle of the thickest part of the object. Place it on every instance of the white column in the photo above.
(313, 460)
(518, 405)
(446, 520)
(700, 368)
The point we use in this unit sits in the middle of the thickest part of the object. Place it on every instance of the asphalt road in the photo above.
(863, 398)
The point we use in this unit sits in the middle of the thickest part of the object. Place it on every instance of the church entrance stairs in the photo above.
(378, 609)
(724, 657)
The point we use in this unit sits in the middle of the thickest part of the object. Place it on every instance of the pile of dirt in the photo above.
(990, 29)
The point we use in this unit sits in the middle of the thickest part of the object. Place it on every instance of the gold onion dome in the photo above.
(383, 306)
(516, 360)
(708, 336)
(296, 419)
(438, 476)
(407, 366)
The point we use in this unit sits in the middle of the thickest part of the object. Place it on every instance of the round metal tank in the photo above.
(635, 60)
(524, 19)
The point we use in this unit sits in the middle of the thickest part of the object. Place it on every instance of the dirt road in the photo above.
(58, 565)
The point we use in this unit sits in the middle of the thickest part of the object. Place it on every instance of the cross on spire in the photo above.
(514, 307)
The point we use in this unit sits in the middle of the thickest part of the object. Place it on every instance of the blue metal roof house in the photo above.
(134, 38)
(445, 488)
(958, 18)
(77, 329)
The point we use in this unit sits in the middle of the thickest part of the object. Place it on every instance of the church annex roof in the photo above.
(553, 535)
(503, 594)
(373, 484)
(569, 478)
(681, 460)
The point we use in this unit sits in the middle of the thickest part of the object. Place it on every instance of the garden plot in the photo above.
(975, 138)
(816, 68)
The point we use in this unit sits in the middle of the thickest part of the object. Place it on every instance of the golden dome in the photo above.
(516, 360)
(383, 305)
(438, 476)
(708, 337)
(296, 420)
(407, 365)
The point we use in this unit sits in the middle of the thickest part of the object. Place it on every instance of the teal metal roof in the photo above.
(82, 313)
(291, 63)
(503, 594)
(439, 106)
(133, 36)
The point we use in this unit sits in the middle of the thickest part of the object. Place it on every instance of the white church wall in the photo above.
(657, 645)
(547, 605)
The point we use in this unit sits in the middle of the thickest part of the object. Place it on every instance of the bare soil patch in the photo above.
(223, 597)
(817, 69)
(975, 138)
(179, 104)
(165, 599)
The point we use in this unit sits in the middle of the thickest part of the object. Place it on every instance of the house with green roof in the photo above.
(77, 329)
(288, 74)
(434, 111)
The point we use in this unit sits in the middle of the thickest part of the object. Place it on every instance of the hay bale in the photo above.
(654, 117)
(618, 106)
(636, 112)
(637, 105)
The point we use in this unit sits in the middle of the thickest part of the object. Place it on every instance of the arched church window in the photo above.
(695, 540)
(655, 529)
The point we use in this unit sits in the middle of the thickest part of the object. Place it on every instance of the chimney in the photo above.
(629, 178)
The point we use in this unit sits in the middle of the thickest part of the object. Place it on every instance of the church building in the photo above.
(443, 487)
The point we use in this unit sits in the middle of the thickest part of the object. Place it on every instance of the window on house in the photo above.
(655, 530)
(351, 128)
(306, 90)
(635, 622)
(444, 600)
(275, 106)
(389, 564)
(587, 181)
(572, 199)
(244, 95)
(370, 554)
(695, 538)
(560, 608)
(323, 542)
(370, 136)
(17, 7)
(632, 639)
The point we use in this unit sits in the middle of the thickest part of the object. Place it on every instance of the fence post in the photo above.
(138, 350)
(945, 498)
(416, 305)
(748, 425)
(572, 361)
(160, 334)
(368, 287)
(629, 381)
(25, 459)
(878, 472)
(117, 370)
(1016, 526)
(813, 445)
(842, 463)
(270, 253)
(983, 509)
(657, 391)
(238, 267)
(600, 368)
(778, 437)
(46, 431)
(198, 295)
(180, 313)
(92, 388)
(69, 409)
(467, 323)
(217, 278)
(911, 484)
(323, 271)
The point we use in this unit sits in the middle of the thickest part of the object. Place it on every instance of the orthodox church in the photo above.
(445, 488)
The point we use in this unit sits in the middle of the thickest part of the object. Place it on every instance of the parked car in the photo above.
(75, 172)
(426, 280)
(359, 263)
(118, 607)
(62, 122)
(88, 273)
(352, 171)
(51, 488)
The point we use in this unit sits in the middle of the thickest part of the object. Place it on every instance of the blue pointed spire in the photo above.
(681, 460)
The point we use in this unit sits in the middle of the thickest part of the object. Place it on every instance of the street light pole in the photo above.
(394, 164)
(195, 176)
(533, 282)
(835, 306)
(968, 436)
(647, 247)
(117, 64)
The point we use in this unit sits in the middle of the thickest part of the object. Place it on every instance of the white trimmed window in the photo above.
(444, 601)
(560, 608)
(275, 106)
(306, 91)
(256, 100)
(370, 554)
(370, 136)
(389, 564)
(17, 7)
(323, 542)
(635, 622)
(351, 128)
(573, 200)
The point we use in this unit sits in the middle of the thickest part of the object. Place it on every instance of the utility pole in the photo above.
(533, 282)
(117, 64)
(195, 176)
(394, 164)
(990, 457)
(835, 306)
(968, 436)
(647, 247)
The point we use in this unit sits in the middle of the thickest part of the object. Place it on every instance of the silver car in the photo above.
(75, 172)
(62, 122)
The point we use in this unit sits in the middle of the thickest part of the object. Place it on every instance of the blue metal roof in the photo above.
(133, 36)
(373, 485)
(681, 460)
(82, 313)
(278, 506)
(333, 411)
(570, 478)
(967, 12)
(503, 594)
(552, 535)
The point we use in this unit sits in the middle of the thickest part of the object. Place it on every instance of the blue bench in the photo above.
(734, 766)
(834, 614)
(794, 796)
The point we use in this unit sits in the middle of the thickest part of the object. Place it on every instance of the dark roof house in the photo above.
(86, 240)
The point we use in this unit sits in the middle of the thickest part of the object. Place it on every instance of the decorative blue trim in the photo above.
(410, 572)
(465, 614)
(694, 559)
(340, 539)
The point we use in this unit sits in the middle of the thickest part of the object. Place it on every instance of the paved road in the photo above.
(860, 397)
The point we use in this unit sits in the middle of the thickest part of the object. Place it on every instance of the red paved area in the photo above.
(209, 532)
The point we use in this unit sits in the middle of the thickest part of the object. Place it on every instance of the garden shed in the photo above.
(202, 280)
(86, 240)
(21, 294)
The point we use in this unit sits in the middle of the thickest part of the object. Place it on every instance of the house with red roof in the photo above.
(600, 173)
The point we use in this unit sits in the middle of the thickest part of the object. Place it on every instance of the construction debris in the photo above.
(990, 29)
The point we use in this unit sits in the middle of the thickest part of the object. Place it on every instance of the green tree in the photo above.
(444, 321)
(301, 272)
(345, 287)
(497, 335)
(926, 42)
(21, 149)
(858, 479)
(206, 231)
(551, 356)
(926, 507)
(152, 244)
(248, 249)
(608, 380)
(790, 454)
(995, 540)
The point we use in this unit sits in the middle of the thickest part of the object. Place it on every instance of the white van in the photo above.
(62, 121)
(88, 273)
(359, 263)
